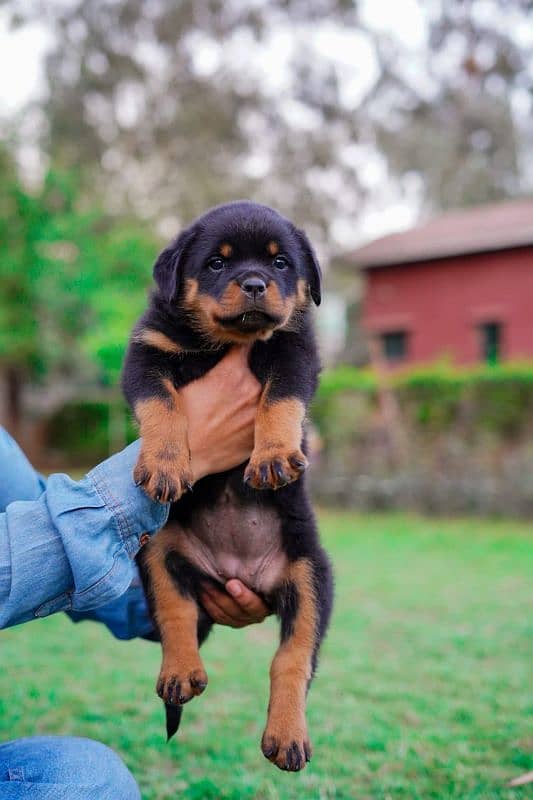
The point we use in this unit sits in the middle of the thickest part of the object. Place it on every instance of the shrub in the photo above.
(83, 431)
(437, 439)
(436, 397)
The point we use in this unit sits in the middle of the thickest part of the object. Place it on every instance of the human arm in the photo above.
(18, 479)
(221, 435)
(225, 400)
(71, 548)
(126, 616)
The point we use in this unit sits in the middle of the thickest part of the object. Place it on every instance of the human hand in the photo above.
(237, 607)
(221, 407)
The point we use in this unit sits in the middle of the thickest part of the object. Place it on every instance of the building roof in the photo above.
(469, 230)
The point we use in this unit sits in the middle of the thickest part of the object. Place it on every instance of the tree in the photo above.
(73, 282)
(169, 107)
(459, 111)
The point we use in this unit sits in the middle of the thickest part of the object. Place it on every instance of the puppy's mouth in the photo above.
(251, 321)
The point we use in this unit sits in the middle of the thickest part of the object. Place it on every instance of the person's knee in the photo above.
(100, 766)
(91, 767)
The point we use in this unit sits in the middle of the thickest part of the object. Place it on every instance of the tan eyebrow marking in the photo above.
(273, 248)
(226, 250)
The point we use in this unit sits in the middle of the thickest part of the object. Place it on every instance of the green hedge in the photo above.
(496, 398)
(83, 431)
(432, 399)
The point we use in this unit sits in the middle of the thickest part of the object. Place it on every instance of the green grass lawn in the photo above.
(424, 687)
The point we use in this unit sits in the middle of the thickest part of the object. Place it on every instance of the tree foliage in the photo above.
(179, 105)
(157, 109)
(73, 281)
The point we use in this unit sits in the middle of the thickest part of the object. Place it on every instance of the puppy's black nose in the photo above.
(253, 287)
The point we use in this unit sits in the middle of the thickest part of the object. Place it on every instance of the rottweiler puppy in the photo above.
(240, 274)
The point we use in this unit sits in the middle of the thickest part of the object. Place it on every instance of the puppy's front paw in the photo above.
(177, 685)
(164, 476)
(272, 470)
(288, 751)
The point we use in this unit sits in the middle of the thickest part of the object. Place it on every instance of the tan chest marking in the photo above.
(158, 340)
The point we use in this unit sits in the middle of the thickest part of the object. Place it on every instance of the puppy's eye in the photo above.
(281, 262)
(216, 263)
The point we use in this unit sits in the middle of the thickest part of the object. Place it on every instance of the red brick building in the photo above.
(460, 285)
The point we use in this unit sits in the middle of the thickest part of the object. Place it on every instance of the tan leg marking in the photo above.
(285, 741)
(277, 458)
(182, 674)
(158, 340)
(163, 468)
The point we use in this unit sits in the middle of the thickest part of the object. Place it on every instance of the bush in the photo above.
(438, 439)
(84, 431)
(494, 398)
(444, 440)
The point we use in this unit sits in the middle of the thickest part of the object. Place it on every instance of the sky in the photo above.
(22, 51)
(22, 54)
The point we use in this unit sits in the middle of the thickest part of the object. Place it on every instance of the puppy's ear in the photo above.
(169, 266)
(313, 267)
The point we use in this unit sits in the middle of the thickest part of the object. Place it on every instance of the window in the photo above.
(491, 340)
(394, 345)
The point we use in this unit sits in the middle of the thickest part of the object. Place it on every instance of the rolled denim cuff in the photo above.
(73, 547)
(134, 512)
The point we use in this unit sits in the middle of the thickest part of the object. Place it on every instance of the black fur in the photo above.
(288, 360)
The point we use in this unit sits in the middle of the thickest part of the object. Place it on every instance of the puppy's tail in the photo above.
(173, 714)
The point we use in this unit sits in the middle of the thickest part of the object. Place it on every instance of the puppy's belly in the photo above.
(233, 540)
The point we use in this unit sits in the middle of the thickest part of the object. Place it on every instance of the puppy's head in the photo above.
(240, 272)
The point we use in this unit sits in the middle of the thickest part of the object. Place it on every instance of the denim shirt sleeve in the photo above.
(18, 479)
(72, 548)
(127, 617)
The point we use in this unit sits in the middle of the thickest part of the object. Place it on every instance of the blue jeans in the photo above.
(63, 768)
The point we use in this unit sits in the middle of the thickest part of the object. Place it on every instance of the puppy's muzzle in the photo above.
(253, 287)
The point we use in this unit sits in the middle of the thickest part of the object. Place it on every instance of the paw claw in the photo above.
(162, 481)
(298, 463)
(198, 683)
(269, 748)
(263, 473)
(140, 476)
(286, 753)
(280, 473)
(274, 470)
(176, 688)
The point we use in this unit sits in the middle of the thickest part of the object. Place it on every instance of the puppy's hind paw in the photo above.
(291, 756)
(177, 688)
